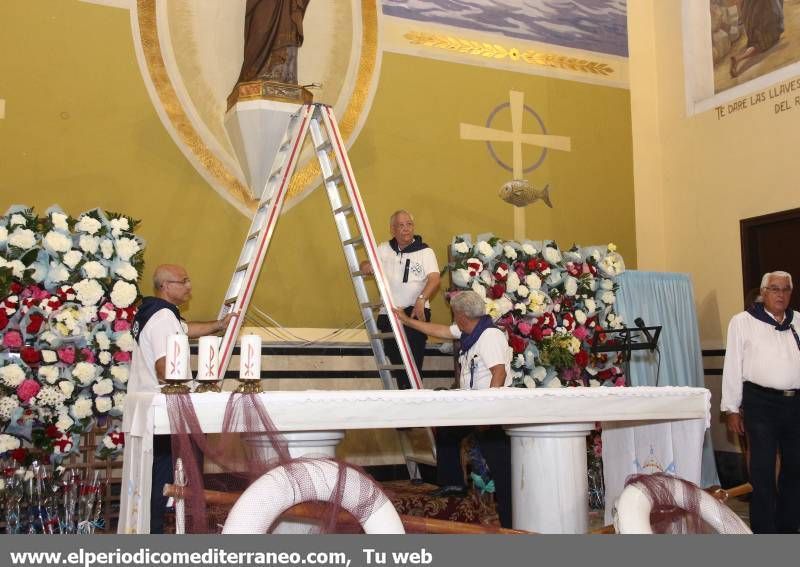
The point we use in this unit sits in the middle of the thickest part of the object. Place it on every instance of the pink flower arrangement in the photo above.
(12, 339)
(27, 390)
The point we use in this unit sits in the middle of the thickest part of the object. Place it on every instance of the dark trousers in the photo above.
(163, 473)
(495, 447)
(416, 341)
(772, 424)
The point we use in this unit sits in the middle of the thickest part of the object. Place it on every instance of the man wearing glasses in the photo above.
(761, 397)
(156, 318)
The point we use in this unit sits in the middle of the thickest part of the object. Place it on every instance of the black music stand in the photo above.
(625, 341)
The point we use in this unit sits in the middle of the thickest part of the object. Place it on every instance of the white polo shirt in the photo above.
(489, 350)
(151, 346)
(414, 266)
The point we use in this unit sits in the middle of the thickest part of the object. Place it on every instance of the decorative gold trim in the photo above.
(210, 386)
(148, 35)
(498, 52)
(302, 179)
(176, 387)
(269, 90)
(249, 387)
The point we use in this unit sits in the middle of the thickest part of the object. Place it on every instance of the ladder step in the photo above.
(230, 301)
(353, 241)
(371, 305)
(252, 235)
(382, 336)
(242, 268)
(391, 367)
(335, 178)
(264, 204)
(324, 146)
(345, 209)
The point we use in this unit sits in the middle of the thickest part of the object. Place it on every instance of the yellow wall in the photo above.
(80, 131)
(697, 176)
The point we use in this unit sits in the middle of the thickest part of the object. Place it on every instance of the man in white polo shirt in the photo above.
(761, 396)
(413, 275)
(485, 362)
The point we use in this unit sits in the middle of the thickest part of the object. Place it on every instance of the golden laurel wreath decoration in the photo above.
(497, 51)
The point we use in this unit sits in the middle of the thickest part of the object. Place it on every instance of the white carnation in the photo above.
(123, 294)
(120, 373)
(87, 314)
(510, 253)
(59, 221)
(127, 271)
(125, 342)
(118, 225)
(12, 375)
(523, 291)
(552, 255)
(64, 422)
(95, 270)
(607, 297)
(571, 286)
(88, 225)
(88, 292)
(461, 277)
(103, 387)
(22, 238)
(580, 317)
(84, 372)
(504, 305)
(88, 243)
(484, 249)
(521, 307)
(49, 356)
(479, 289)
(461, 247)
(7, 406)
(66, 387)
(82, 408)
(16, 219)
(119, 399)
(103, 404)
(57, 241)
(72, 258)
(102, 340)
(607, 284)
(591, 306)
(8, 443)
(49, 374)
(58, 273)
(17, 268)
(104, 357)
(533, 281)
(528, 249)
(126, 248)
(51, 396)
(512, 282)
(107, 248)
(538, 302)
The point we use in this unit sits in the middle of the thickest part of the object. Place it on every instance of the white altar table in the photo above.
(547, 426)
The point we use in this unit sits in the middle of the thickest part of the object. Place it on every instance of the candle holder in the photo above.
(249, 387)
(173, 387)
(208, 386)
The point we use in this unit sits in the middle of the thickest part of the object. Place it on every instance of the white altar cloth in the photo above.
(530, 415)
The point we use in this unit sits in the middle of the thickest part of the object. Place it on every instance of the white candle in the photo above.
(250, 358)
(178, 358)
(208, 358)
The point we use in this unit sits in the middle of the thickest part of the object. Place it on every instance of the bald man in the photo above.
(156, 319)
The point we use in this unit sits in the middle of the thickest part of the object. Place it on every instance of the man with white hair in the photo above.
(761, 397)
(485, 362)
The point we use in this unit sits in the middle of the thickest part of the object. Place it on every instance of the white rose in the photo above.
(125, 342)
(72, 258)
(571, 286)
(118, 225)
(120, 373)
(88, 243)
(123, 294)
(533, 281)
(22, 238)
(103, 404)
(102, 340)
(64, 422)
(126, 248)
(512, 282)
(66, 387)
(528, 249)
(16, 219)
(552, 255)
(57, 241)
(88, 292)
(104, 357)
(12, 375)
(88, 224)
(7, 406)
(84, 372)
(3, 234)
(107, 248)
(82, 408)
(95, 269)
(510, 253)
(461, 247)
(103, 387)
(580, 317)
(59, 221)
(127, 271)
(58, 273)
(523, 291)
(49, 374)
(607, 297)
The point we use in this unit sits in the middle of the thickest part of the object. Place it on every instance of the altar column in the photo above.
(550, 491)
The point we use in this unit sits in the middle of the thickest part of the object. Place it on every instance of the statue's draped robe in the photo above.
(273, 30)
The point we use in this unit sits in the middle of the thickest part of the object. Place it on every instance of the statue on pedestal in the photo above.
(273, 32)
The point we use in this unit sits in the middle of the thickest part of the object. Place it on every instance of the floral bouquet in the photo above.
(68, 288)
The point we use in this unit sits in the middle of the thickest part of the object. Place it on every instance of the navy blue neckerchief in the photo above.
(149, 307)
(757, 310)
(415, 246)
(468, 341)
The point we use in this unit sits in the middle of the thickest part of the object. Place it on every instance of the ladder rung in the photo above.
(391, 367)
(242, 268)
(371, 305)
(382, 336)
(253, 235)
(335, 178)
(230, 300)
(264, 204)
(345, 209)
(324, 146)
(353, 241)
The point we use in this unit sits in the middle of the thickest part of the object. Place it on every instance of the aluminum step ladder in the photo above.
(354, 232)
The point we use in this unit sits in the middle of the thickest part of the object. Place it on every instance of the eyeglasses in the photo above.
(184, 281)
(776, 290)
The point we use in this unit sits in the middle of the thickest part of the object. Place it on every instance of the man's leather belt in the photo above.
(773, 391)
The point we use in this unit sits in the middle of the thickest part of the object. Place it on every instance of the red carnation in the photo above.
(532, 265)
(3, 318)
(582, 359)
(16, 288)
(35, 324)
(52, 432)
(497, 291)
(537, 333)
(30, 355)
(517, 343)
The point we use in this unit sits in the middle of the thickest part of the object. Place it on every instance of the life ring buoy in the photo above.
(632, 513)
(276, 491)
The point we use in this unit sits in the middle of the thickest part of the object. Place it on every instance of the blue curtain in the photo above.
(666, 299)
